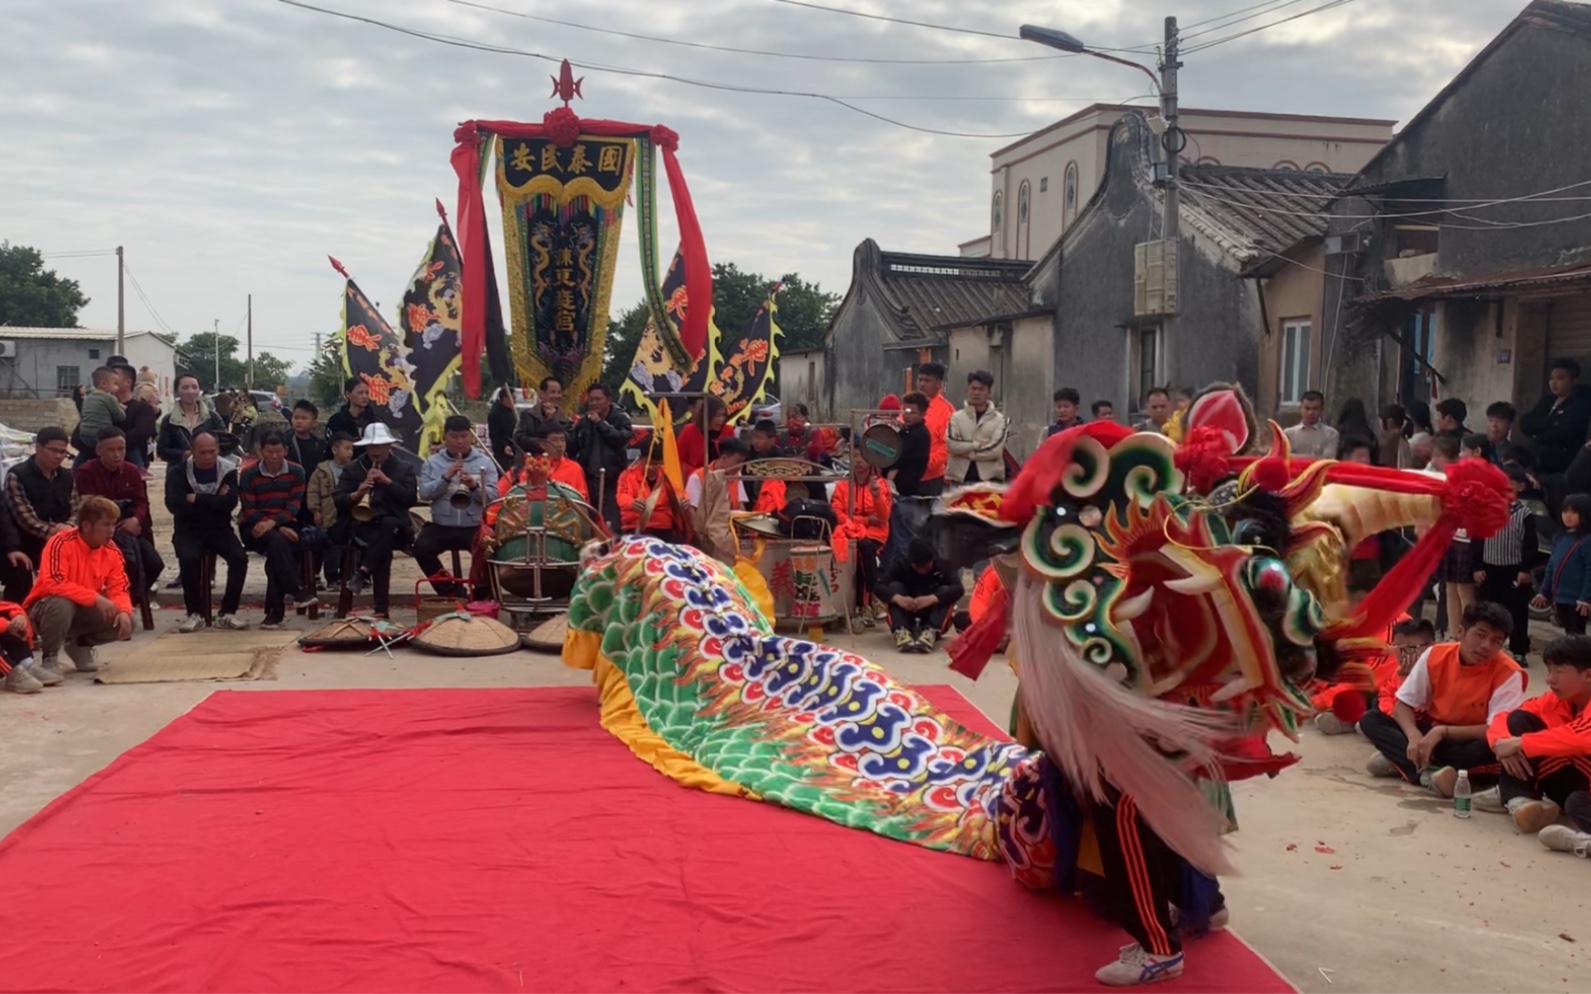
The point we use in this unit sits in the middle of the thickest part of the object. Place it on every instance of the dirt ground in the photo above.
(1405, 897)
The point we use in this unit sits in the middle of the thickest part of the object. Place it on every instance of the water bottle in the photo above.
(1461, 795)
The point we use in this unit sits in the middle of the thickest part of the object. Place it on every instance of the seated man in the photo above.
(111, 476)
(80, 599)
(861, 513)
(988, 586)
(712, 509)
(201, 493)
(1545, 749)
(1438, 725)
(382, 524)
(920, 592)
(270, 501)
(41, 498)
(555, 439)
(643, 492)
(461, 468)
(16, 651)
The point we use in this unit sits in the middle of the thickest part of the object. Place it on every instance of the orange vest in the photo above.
(1460, 694)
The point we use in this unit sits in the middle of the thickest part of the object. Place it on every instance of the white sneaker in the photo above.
(1490, 801)
(1562, 838)
(190, 624)
(1380, 766)
(1531, 816)
(231, 623)
(1330, 724)
(1136, 967)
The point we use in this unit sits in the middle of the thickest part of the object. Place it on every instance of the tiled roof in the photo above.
(1274, 208)
(79, 334)
(937, 292)
(1480, 284)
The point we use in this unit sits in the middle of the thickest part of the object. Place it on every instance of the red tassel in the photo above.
(970, 651)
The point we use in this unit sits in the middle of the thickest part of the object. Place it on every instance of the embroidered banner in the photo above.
(562, 210)
(375, 353)
(431, 317)
(745, 368)
(654, 369)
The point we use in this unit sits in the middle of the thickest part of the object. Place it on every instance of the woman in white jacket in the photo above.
(976, 437)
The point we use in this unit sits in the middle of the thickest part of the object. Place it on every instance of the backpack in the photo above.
(807, 519)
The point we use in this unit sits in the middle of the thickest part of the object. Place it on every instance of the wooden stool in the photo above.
(306, 579)
(146, 612)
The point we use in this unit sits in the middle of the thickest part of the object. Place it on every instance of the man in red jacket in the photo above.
(1545, 749)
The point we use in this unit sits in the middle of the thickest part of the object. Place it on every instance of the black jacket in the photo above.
(389, 501)
(206, 512)
(500, 423)
(307, 452)
(1559, 430)
(174, 438)
(902, 579)
(345, 422)
(913, 462)
(602, 443)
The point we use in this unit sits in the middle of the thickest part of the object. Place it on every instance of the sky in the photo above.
(231, 145)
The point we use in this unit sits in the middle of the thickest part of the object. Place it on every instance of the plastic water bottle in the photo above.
(1461, 795)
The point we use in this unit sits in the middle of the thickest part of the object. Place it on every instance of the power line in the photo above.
(1272, 7)
(622, 71)
(1222, 17)
(148, 305)
(78, 254)
(1267, 26)
(1534, 198)
(1426, 214)
(742, 51)
(939, 27)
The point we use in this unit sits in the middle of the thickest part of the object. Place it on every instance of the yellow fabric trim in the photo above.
(621, 717)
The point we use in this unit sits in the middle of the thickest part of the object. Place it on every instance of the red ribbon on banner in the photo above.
(466, 158)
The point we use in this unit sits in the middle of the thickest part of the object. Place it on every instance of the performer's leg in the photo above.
(1140, 875)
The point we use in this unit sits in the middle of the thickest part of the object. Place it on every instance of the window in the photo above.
(1044, 184)
(812, 381)
(1295, 361)
(1149, 373)
(1022, 203)
(994, 214)
(67, 379)
(93, 353)
(1024, 235)
(1069, 193)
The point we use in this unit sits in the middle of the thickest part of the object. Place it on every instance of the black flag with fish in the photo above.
(374, 353)
(431, 316)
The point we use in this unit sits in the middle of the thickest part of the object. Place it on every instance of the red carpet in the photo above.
(453, 840)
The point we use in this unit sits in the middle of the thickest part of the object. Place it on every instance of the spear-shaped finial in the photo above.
(441, 211)
(339, 267)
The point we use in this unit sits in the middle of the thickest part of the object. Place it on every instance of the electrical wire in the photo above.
(744, 51)
(1525, 199)
(1267, 26)
(1274, 6)
(79, 254)
(1222, 17)
(1533, 198)
(941, 27)
(640, 73)
(148, 305)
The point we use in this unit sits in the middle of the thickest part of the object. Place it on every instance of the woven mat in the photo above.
(177, 658)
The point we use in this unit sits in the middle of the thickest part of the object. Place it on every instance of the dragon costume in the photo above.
(1167, 604)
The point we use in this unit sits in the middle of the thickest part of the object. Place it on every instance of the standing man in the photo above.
(931, 384)
(40, 494)
(1312, 437)
(909, 507)
(600, 443)
(201, 493)
(112, 476)
(80, 599)
(548, 410)
(975, 439)
(1558, 424)
(1157, 404)
(142, 419)
(1450, 416)
(460, 468)
(1067, 402)
(271, 503)
(391, 485)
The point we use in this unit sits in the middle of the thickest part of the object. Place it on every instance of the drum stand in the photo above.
(536, 605)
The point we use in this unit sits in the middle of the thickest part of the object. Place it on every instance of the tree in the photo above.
(326, 375)
(804, 313)
(624, 334)
(32, 296)
(197, 356)
(270, 372)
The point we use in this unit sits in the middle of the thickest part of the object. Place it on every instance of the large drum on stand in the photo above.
(533, 546)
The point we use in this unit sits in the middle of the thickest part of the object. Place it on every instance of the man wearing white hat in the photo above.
(390, 484)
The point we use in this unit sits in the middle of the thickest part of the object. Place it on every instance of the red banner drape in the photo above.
(562, 126)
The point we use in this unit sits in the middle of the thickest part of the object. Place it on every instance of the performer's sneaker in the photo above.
(272, 624)
(1330, 724)
(1217, 922)
(1380, 766)
(1135, 966)
(1531, 816)
(190, 624)
(231, 623)
(1562, 838)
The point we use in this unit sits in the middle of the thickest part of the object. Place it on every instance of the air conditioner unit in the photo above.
(1154, 279)
(1348, 244)
(8, 348)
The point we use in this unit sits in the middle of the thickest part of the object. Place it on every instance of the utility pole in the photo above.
(248, 378)
(121, 303)
(1173, 141)
(215, 346)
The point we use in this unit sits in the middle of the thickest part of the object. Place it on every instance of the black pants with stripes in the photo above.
(1568, 786)
(1143, 876)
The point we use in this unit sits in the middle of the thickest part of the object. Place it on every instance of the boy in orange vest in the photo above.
(1438, 725)
(1545, 750)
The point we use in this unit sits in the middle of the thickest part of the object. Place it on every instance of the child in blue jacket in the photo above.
(1567, 582)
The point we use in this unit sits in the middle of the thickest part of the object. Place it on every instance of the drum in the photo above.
(765, 525)
(534, 544)
(813, 582)
(881, 445)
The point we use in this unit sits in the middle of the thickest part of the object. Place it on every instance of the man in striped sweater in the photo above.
(270, 497)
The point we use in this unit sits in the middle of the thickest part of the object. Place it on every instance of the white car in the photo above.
(15, 446)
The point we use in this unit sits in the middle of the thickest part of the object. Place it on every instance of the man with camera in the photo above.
(457, 482)
(373, 498)
(110, 475)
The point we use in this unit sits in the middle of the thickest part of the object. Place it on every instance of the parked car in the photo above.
(769, 409)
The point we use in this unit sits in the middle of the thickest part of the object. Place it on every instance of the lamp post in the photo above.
(1173, 140)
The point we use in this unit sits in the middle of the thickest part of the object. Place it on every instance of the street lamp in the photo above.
(1173, 140)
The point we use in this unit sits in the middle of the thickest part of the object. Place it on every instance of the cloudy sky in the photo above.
(231, 145)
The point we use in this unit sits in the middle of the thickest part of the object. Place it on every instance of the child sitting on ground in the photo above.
(1410, 639)
(1545, 749)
